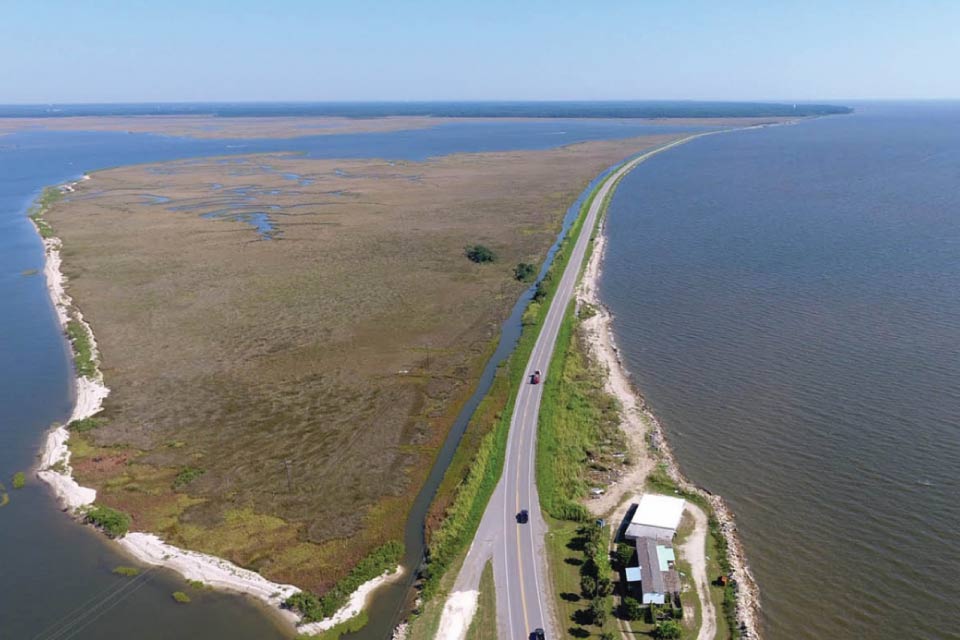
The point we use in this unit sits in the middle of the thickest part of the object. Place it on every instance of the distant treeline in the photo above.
(567, 109)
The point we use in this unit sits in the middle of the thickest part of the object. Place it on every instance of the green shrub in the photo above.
(524, 272)
(82, 348)
(126, 571)
(85, 424)
(667, 630)
(19, 480)
(375, 564)
(185, 476)
(632, 609)
(480, 254)
(111, 521)
(180, 597)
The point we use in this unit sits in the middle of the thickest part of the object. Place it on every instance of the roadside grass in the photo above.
(579, 428)
(484, 625)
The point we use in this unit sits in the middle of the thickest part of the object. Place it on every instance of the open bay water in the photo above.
(55, 576)
(787, 301)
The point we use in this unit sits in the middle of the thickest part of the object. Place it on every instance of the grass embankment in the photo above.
(476, 466)
(484, 625)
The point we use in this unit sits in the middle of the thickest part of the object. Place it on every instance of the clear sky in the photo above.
(205, 50)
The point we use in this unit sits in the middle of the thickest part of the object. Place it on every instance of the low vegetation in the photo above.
(85, 424)
(181, 597)
(480, 254)
(79, 337)
(113, 522)
(19, 480)
(39, 208)
(355, 623)
(128, 572)
(185, 476)
(313, 607)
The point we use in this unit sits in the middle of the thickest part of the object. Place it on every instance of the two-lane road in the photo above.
(524, 597)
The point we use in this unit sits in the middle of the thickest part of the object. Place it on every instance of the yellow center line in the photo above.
(523, 595)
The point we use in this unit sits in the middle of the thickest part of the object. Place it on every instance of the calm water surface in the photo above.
(55, 577)
(787, 300)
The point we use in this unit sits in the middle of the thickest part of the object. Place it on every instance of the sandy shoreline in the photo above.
(54, 469)
(642, 427)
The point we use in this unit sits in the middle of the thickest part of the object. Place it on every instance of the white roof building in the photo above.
(656, 517)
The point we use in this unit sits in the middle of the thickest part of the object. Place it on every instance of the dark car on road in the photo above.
(537, 635)
(523, 517)
(535, 378)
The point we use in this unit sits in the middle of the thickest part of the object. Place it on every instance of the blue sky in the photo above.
(103, 51)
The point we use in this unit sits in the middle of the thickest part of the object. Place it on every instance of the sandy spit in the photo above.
(54, 469)
(642, 426)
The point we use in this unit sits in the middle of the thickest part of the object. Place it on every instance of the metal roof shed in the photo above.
(655, 517)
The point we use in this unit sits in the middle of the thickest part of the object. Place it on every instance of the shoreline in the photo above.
(638, 419)
(54, 469)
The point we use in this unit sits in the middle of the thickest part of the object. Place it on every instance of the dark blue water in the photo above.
(787, 300)
(49, 567)
(556, 109)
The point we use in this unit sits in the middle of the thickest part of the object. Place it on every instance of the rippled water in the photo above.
(787, 300)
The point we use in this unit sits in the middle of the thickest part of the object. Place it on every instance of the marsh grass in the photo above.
(343, 348)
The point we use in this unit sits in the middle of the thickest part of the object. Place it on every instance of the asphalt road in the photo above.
(524, 596)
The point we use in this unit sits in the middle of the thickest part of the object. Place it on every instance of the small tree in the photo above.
(588, 585)
(632, 609)
(604, 587)
(524, 272)
(667, 630)
(624, 554)
(598, 612)
(480, 254)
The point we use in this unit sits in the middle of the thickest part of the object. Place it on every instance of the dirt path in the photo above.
(694, 550)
